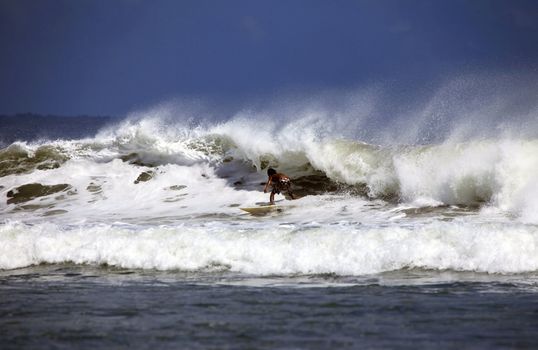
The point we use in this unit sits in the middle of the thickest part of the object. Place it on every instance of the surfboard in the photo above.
(262, 209)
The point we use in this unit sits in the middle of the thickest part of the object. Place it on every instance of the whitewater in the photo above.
(158, 193)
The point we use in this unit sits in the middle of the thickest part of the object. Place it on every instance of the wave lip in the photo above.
(289, 250)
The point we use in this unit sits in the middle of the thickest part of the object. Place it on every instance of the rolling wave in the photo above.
(235, 154)
(277, 249)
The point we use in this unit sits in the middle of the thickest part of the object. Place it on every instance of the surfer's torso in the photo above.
(279, 182)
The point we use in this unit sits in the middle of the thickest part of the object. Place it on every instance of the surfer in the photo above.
(279, 183)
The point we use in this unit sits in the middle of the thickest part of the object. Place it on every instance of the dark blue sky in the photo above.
(114, 56)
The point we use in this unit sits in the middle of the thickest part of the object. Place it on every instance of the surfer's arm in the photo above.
(267, 185)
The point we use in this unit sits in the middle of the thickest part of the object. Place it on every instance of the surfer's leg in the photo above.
(272, 198)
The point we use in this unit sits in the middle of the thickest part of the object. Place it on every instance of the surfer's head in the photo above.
(271, 172)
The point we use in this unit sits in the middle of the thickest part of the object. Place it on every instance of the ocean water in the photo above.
(133, 236)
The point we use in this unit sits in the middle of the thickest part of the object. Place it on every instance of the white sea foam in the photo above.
(274, 249)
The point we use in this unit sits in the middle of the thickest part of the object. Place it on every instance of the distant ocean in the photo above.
(128, 232)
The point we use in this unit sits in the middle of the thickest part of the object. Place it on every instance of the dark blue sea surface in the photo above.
(85, 307)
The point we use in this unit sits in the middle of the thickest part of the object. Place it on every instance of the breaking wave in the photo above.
(161, 191)
(284, 249)
(152, 155)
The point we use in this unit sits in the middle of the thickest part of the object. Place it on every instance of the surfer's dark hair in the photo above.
(271, 171)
